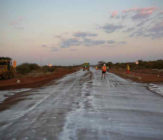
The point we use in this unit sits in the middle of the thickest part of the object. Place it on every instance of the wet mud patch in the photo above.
(155, 89)
(14, 99)
(33, 81)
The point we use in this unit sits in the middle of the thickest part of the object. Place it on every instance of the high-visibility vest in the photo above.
(104, 68)
(14, 64)
(128, 67)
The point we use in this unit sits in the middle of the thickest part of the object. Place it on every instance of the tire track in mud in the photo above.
(154, 89)
(119, 109)
(84, 104)
(48, 114)
(39, 102)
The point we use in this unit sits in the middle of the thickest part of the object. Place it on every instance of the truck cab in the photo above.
(6, 69)
(86, 66)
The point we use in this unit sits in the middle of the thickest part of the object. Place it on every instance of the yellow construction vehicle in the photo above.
(6, 69)
(86, 66)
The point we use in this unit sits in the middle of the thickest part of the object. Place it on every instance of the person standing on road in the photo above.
(104, 68)
(128, 69)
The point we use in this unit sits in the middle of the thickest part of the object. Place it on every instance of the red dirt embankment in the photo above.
(143, 75)
(35, 81)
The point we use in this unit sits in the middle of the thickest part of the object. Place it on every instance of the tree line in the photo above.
(157, 64)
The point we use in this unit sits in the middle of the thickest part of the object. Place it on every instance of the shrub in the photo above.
(27, 68)
(48, 69)
(158, 64)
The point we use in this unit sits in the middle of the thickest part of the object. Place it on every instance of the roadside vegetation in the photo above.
(9, 69)
(29, 75)
(157, 64)
(141, 71)
(27, 68)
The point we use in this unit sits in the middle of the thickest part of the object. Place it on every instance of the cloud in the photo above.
(143, 11)
(129, 29)
(84, 42)
(90, 42)
(70, 42)
(155, 31)
(140, 13)
(140, 16)
(81, 39)
(141, 23)
(137, 22)
(114, 14)
(110, 28)
(110, 41)
(51, 48)
(84, 34)
(129, 10)
(146, 11)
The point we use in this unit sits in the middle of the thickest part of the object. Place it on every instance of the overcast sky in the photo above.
(67, 32)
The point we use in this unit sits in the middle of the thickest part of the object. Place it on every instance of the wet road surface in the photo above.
(81, 106)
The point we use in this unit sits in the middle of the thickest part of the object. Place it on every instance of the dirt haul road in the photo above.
(81, 106)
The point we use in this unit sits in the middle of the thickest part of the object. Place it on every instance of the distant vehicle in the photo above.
(86, 66)
(6, 69)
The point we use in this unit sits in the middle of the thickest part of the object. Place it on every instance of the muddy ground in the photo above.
(82, 106)
(142, 75)
(30, 81)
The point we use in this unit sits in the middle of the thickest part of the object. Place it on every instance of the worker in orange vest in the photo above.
(104, 69)
(127, 69)
(14, 64)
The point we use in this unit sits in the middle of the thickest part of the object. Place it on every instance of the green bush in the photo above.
(158, 64)
(48, 69)
(27, 68)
